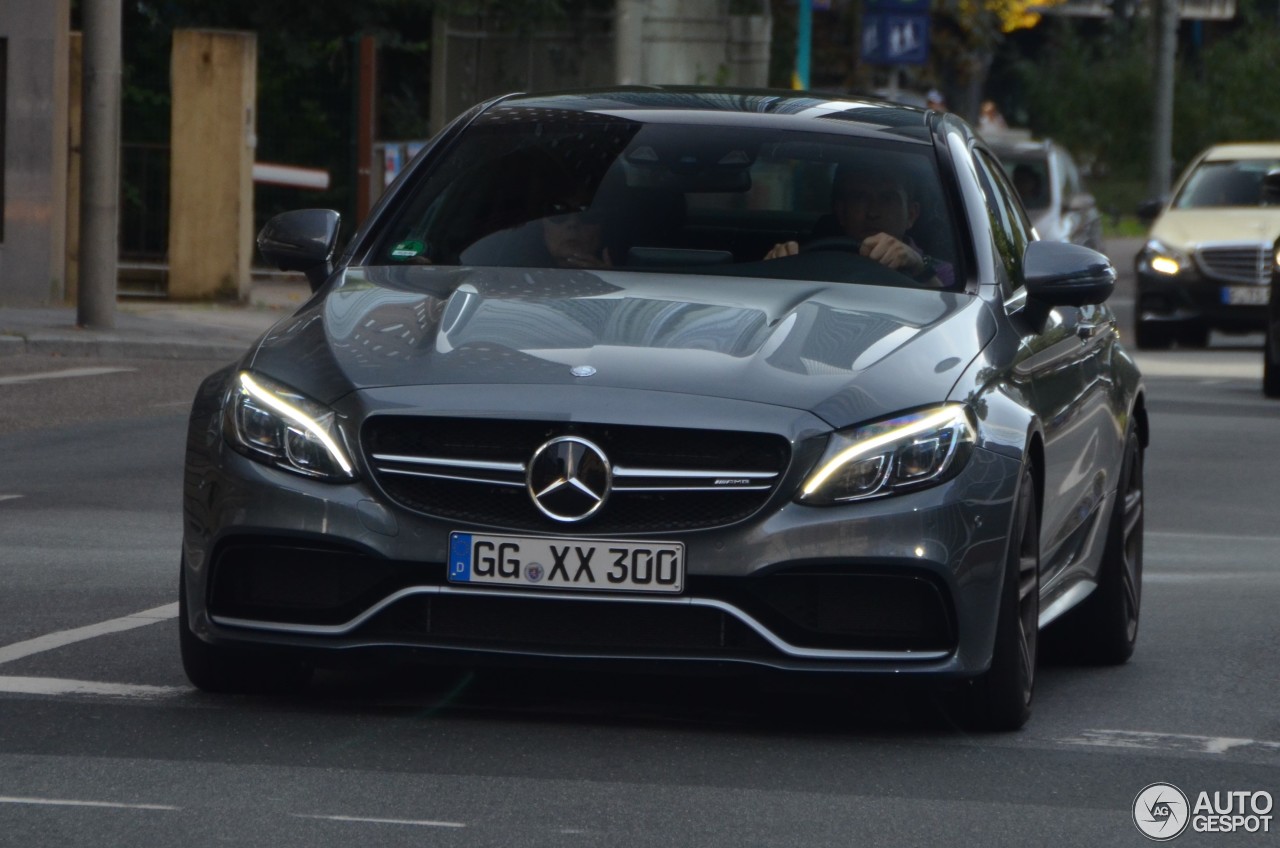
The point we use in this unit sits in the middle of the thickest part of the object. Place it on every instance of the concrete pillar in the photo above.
(692, 42)
(213, 136)
(33, 190)
(628, 35)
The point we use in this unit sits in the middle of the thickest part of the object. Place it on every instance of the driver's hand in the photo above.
(786, 248)
(892, 253)
(586, 260)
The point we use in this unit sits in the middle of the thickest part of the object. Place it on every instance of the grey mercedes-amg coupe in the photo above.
(675, 378)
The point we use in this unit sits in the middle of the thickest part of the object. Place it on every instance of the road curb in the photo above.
(115, 347)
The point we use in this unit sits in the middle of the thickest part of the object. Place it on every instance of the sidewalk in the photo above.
(153, 329)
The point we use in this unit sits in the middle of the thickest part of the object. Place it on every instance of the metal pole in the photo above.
(366, 123)
(804, 42)
(100, 165)
(1166, 45)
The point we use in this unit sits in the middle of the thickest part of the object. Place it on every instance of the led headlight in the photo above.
(272, 423)
(898, 454)
(1162, 258)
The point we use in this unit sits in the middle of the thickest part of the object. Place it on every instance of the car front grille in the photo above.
(664, 479)
(1237, 263)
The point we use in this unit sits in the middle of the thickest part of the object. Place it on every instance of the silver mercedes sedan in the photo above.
(673, 378)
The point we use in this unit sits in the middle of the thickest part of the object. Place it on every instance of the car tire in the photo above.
(1194, 336)
(222, 670)
(1000, 699)
(1271, 362)
(1103, 629)
(1152, 335)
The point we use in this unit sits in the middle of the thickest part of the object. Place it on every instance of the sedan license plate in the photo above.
(1246, 295)
(530, 562)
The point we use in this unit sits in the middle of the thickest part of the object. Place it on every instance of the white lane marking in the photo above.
(1204, 577)
(1211, 537)
(64, 802)
(62, 375)
(9, 497)
(18, 650)
(60, 686)
(362, 819)
(1169, 741)
(1208, 367)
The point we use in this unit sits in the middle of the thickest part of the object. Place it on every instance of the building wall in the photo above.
(638, 42)
(697, 42)
(33, 244)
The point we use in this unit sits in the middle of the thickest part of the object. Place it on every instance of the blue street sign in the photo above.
(895, 39)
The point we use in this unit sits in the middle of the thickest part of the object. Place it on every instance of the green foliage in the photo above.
(1094, 96)
(1231, 98)
(1090, 86)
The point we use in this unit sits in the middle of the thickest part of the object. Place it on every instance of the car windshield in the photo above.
(1225, 183)
(548, 188)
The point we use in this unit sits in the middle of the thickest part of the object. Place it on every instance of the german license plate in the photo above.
(1246, 295)
(530, 562)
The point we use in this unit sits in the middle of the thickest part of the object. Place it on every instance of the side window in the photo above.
(1009, 225)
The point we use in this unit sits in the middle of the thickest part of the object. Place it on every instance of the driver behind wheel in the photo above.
(875, 207)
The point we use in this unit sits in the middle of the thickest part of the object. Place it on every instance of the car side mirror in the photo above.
(1149, 210)
(1064, 274)
(302, 240)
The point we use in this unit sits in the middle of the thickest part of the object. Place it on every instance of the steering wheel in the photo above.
(844, 243)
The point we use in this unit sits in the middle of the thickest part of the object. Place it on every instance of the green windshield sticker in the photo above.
(407, 249)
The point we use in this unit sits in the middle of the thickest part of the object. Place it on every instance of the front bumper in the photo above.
(907, 584)
(1192, 298)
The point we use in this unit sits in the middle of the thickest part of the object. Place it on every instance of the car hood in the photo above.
(844, 352)
(1189, 228)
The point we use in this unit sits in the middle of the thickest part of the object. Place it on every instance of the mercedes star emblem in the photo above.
(569, 478)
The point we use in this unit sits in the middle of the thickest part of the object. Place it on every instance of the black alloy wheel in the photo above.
(1103, 629)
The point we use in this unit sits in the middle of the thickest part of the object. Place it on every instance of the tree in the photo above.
(966, 35)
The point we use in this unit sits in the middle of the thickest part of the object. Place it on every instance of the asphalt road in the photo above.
(103, 742)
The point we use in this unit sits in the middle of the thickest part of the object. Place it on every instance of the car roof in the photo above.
(1018, 143)
(1242, 150)
(801, 110)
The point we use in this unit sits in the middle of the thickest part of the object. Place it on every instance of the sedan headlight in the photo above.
(1162, 258)
(272, 423)
(898, 454)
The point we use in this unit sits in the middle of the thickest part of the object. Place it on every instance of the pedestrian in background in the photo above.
(989, 118)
